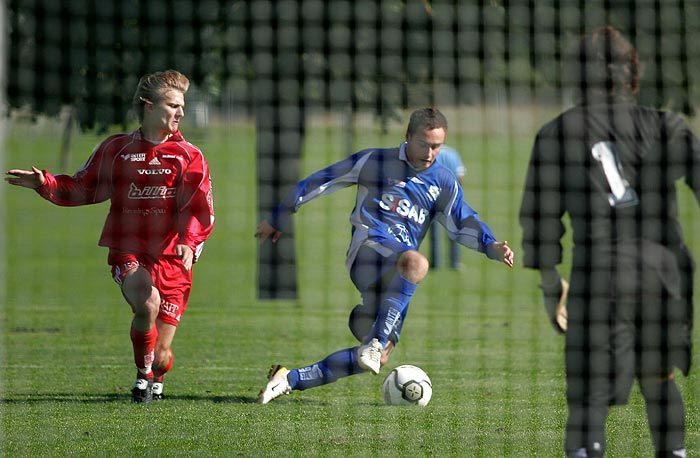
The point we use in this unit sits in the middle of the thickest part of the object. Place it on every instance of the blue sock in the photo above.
(392, 308)
(336, 365)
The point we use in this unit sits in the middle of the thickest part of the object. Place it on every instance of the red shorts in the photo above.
(169, 275)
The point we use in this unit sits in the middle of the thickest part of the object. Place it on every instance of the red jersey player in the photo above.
(161, 213)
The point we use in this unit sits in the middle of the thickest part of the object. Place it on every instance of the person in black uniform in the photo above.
(611, 165)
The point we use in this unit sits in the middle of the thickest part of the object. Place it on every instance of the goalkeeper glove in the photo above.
(555, 303)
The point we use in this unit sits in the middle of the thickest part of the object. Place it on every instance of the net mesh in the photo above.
(290, 86)
(380, 56)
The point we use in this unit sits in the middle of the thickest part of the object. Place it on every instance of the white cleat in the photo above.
(277, 384)
(369, 356)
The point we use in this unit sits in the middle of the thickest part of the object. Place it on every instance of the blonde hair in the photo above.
(153, 85)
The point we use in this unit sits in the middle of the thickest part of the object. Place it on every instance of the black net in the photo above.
(283, 88)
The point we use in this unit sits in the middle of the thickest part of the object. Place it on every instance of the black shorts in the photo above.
(614, 336)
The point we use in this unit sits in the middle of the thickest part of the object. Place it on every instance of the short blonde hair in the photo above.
(153, 85)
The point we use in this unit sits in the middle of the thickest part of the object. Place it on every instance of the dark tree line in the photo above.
(276, 60)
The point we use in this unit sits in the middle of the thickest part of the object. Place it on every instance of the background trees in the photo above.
(279, 60)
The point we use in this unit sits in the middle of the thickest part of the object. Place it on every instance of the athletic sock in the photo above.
(144, 344)
(144, 375)
(337, 365)
(392, 308)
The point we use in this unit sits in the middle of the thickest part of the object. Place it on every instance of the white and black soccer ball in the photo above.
(407, 385)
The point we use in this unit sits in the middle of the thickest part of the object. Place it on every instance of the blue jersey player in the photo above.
(400, 191)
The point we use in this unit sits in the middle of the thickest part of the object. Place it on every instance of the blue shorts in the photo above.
(371, 273)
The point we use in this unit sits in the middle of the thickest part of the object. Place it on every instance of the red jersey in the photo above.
(160, 194)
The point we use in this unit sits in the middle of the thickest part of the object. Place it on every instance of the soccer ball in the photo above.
(407, 385)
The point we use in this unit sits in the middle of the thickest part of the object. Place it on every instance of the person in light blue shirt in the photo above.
(400, 192)
(449, 157)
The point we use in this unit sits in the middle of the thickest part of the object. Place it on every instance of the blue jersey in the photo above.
(395, 203)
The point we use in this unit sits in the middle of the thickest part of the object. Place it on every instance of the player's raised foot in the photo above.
(369, 356)
(157, 389)
(142, 392)
(277, 384)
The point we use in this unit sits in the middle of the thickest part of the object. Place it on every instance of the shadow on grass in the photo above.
(116, 397)
(125, 398)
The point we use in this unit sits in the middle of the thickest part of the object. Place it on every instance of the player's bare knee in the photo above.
(149, 307)
(413, 266)
(137, 287)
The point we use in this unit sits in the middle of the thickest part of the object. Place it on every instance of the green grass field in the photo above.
(496, 365)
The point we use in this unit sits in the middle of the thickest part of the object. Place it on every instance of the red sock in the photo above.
(159, 372)
(144, 344)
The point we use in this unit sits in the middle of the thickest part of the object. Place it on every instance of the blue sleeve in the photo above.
(463, 224)
(330, 179)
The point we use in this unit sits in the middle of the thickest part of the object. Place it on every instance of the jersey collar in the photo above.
(175, 136)
(402, 152)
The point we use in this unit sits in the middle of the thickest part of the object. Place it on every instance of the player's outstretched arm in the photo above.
(265, 231)
(503, 253)
(32, 179)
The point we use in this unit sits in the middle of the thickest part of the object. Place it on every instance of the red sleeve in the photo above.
(87, 186)
(196, 205)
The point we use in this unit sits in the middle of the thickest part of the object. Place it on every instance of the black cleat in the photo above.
(142, 392)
